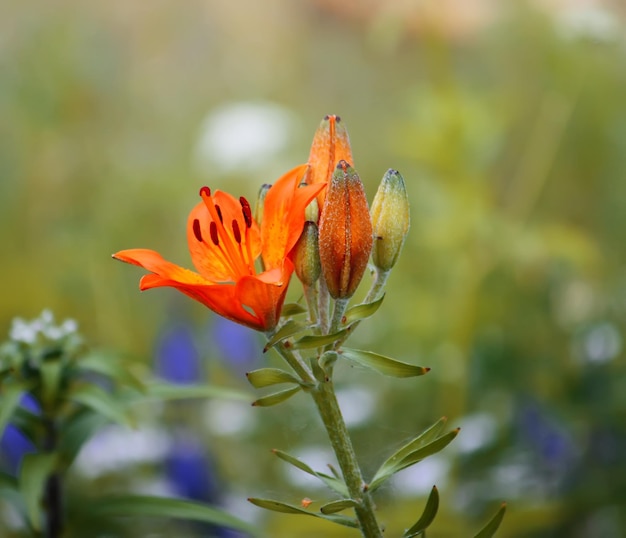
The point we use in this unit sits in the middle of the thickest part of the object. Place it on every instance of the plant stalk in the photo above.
(53, 497)
(330, 413)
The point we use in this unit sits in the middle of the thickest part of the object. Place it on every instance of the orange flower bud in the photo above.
(345, 232)
(390, 220)
(330, 145)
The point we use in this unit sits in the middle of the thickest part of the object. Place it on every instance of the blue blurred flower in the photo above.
(14, 445)
(236, 344)
(177, 358)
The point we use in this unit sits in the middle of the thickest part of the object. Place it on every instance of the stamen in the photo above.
(196, 230)
(236, 231)
(213, 232)
(247, 212)
(222, 238)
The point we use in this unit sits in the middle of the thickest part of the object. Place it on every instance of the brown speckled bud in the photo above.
(345, 232)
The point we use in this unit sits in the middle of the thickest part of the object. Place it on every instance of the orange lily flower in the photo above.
(331, 144)
(225, 241)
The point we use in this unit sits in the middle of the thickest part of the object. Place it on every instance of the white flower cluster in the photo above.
(43, 327)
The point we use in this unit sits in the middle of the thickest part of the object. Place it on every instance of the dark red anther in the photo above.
(205, 191)
(213, 232)
(219, 213)
(236, 231)
(196, 230)
(247, 212)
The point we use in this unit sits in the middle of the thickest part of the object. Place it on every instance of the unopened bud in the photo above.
(390, 220)
(330, 145)
(312, 211)
(306, 255)
(345, 232)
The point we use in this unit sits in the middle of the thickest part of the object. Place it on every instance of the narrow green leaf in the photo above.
(382, 364)
(110, 366)
(313, 340)
(277, 506)
(284, 508)
(337, 506)
(412, 458)
(11, 394)
(78, 430)
(51, 379)
(276, 397)
(93, 397)
(490, 528)
(422, 439)
(292, 309)
(333, 482)
(9, 490)
(361, 311)
(290, 328)
(144, 505)
(35, 470)
(168, 391)
(266, 377)
(427, 517)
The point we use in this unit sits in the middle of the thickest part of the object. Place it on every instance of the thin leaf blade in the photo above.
(276, 397)
(146, 505)
(361, 311)
(382, 364)
(427, 517)
(266, 377)
(35, 470)
(494, 523)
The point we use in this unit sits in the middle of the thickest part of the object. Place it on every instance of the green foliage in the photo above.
(427, 517)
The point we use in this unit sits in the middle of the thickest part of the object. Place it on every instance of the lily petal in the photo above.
(283, 215)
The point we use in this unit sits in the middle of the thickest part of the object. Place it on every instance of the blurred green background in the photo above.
(508, 123)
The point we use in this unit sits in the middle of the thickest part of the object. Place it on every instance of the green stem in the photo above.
(377, 286)
(338, 312)
(53, 500)
(296, 362)
(330, 413)
(374, 293)
(311, 296)
(325, 399)
(323, 306)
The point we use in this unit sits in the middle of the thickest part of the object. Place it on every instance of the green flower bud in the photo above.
(306, 254)
(390, 220)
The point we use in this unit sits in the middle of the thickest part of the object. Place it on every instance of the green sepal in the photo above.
(361, 311)
(97, 399)
(284, 508)
(427, 517)
(289, 329)
(276, 397)
(313, 340)
(35, 470)
(381, 364)
(492, 526)
(292, 309)
(145, 505)
(266, 377)
(333, 482)
(10, 401)
(337, 506)
(410, 454)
